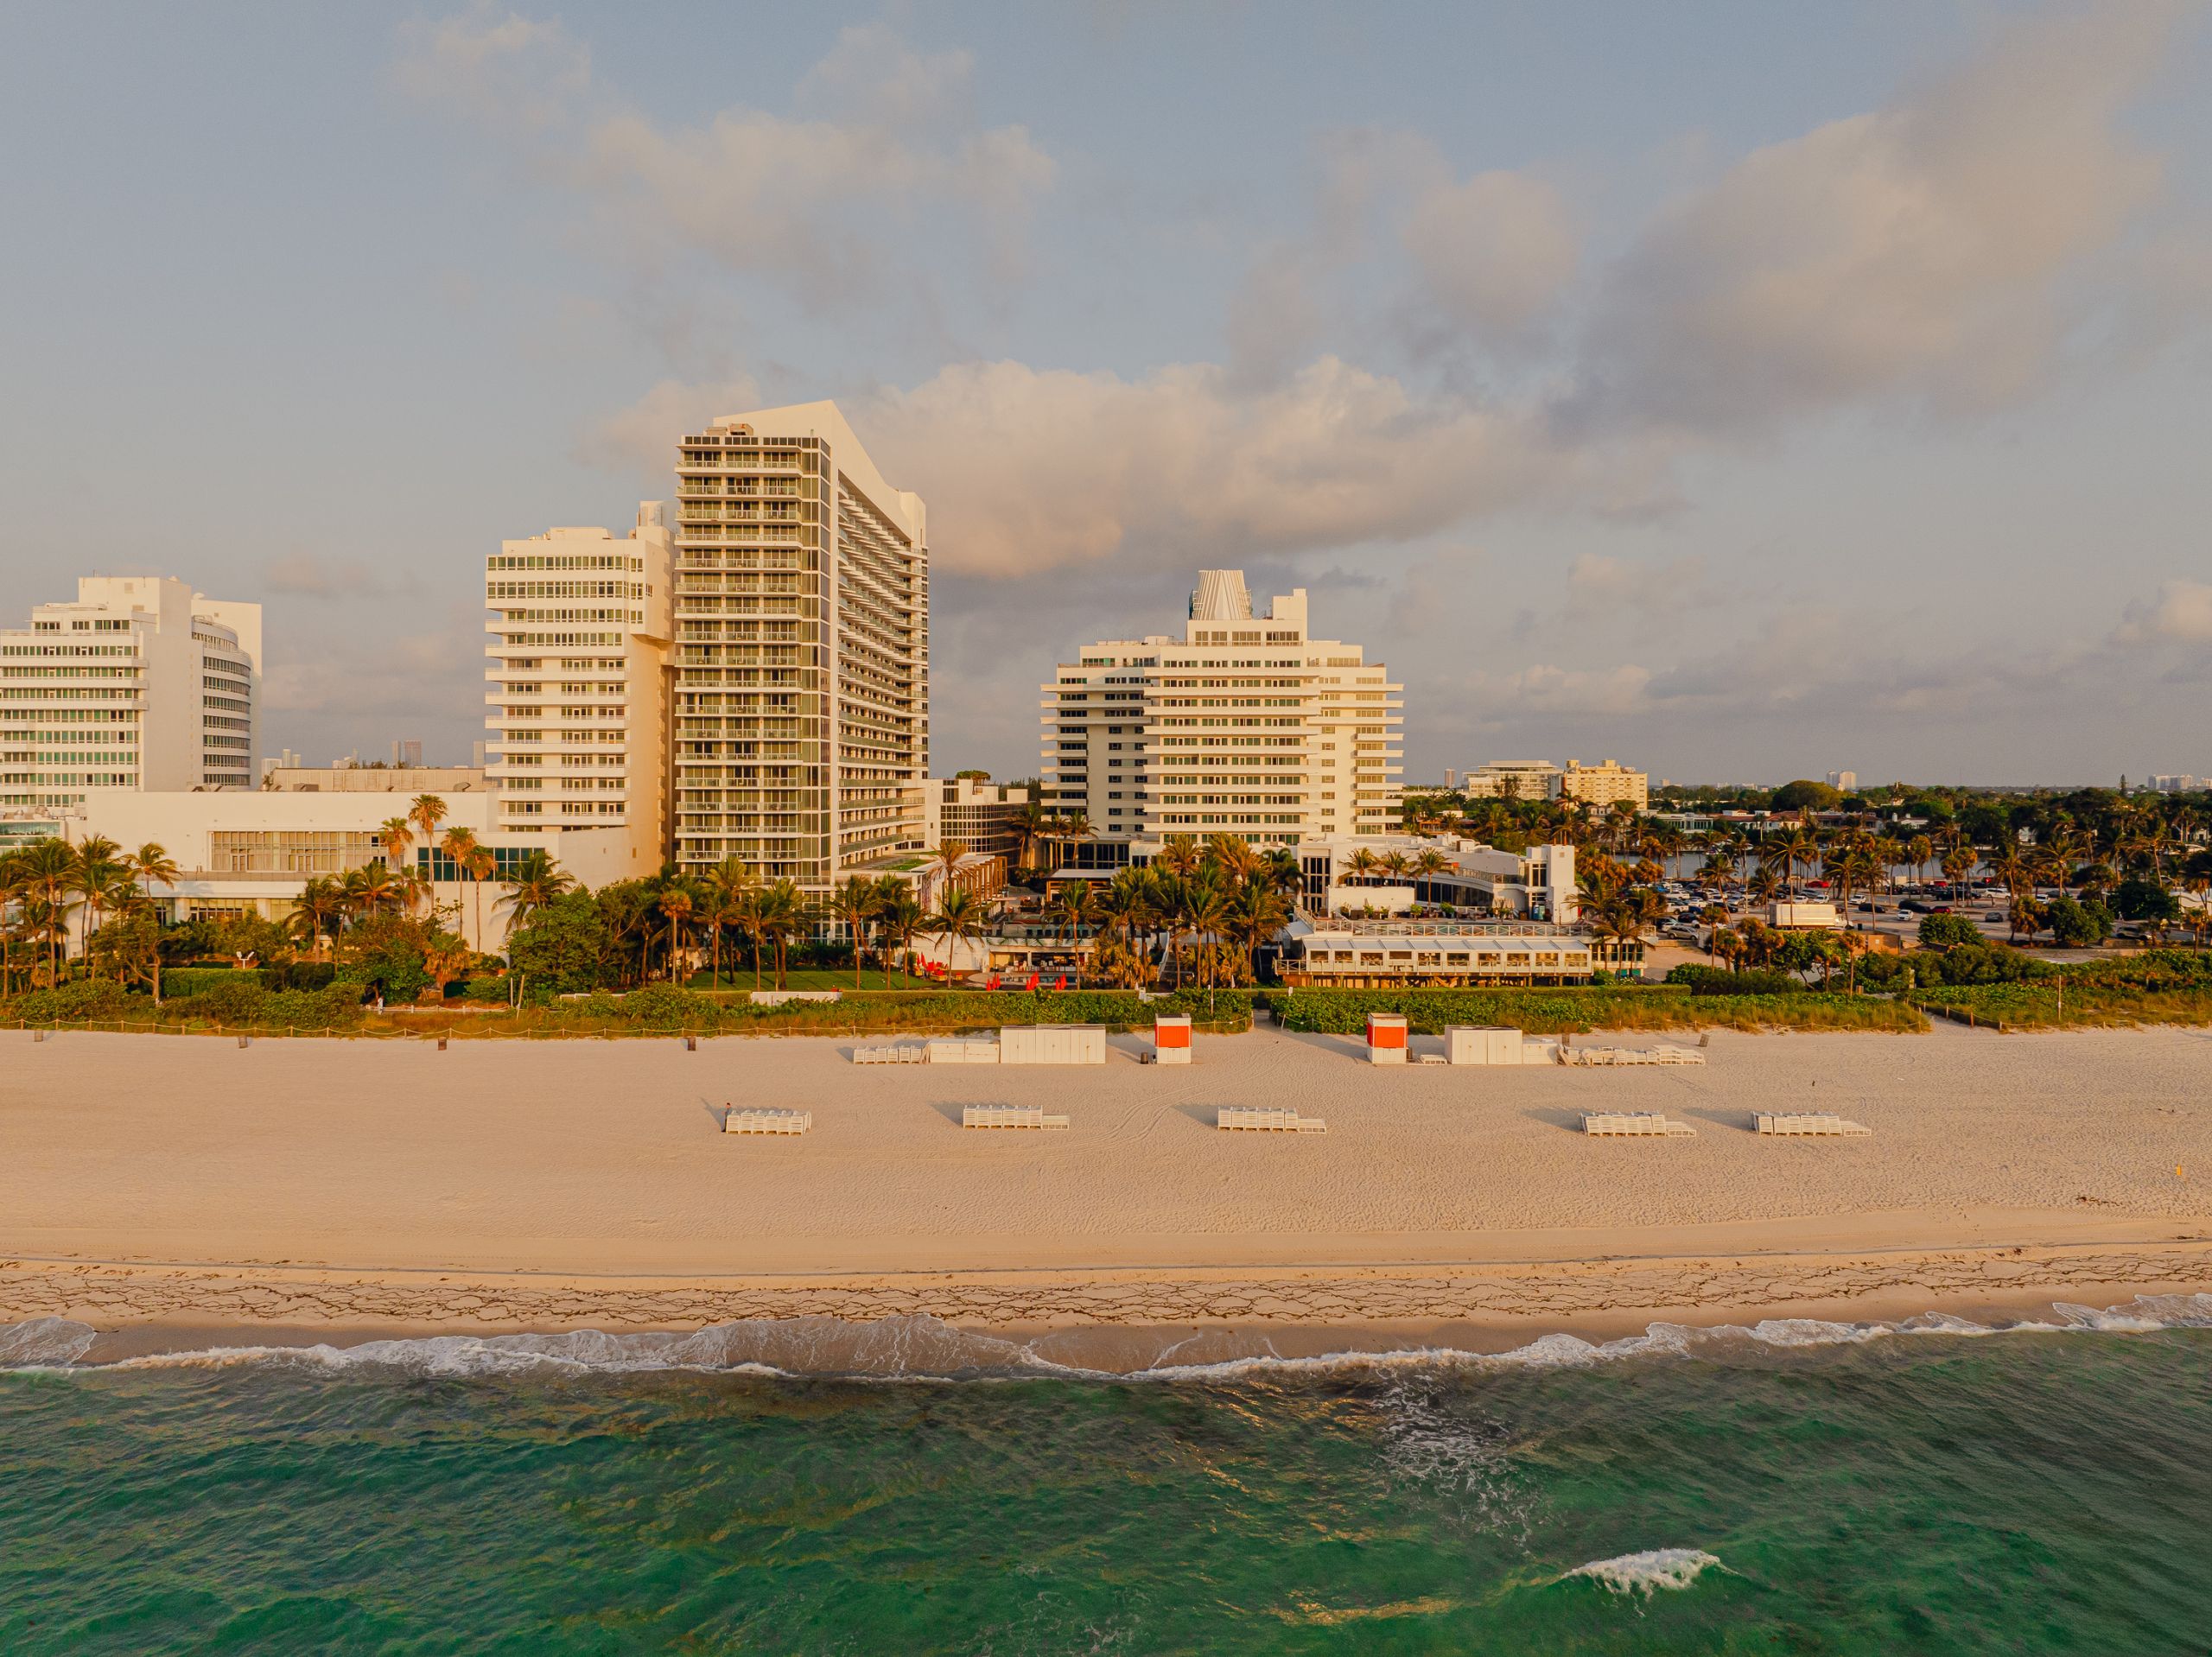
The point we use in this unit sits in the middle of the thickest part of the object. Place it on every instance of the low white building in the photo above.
(252, 851)
(1385, 954)
(1538, 883)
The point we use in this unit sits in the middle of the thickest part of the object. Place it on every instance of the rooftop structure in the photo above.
(1605, 785)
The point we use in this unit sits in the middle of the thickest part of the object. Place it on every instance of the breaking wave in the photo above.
(1646, 1573)
(923, 1347)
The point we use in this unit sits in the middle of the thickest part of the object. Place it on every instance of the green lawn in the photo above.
(813, 978)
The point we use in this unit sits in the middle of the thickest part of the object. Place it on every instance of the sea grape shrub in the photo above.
(1947, 931)
(1979, 963)
(2075, 924)
(1720, 981)
(88, 999)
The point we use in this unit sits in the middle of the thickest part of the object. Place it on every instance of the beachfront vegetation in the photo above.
(1573, 1010)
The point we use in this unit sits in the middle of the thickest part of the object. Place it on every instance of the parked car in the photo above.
(1998, 916)
(1914, 907)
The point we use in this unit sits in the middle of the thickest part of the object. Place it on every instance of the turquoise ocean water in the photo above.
(1801, 1489)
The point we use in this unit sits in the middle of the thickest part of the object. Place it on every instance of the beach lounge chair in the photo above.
(756, 1119)
(1808, 1124)
(1264, 1118)
(1008, 1116)
(1634, 1124)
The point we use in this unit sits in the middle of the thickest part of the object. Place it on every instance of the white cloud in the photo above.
(1600, 585)
(2181, 614)
(1027, 469)
(798, 199)
(304, 575)
(1928, 248)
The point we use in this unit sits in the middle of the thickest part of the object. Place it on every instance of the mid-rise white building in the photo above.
(1605, 785)
(802, 653)
(1512, 779)
(1241, 725)
(580, 672)
(140, 684)
(1847, 781)
(976, 811)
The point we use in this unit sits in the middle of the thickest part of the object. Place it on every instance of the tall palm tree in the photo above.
(947, 856)
(782, 915)
(459, 848)
(151, 865)
(50, 872)
(1076, 908)
(859, 899)
(749, 908)
(959, 919)
(1028, 824)
(426, 812)
(1256, 914)
(721, 889)
(900, 917)
(396, 834)
(1362, 865)
(1203, 911)
(1920, 852)
(675, 906)
(316, 912)
(1180, 856)
(536, 881)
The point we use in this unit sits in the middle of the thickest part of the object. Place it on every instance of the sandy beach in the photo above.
(309, 1186)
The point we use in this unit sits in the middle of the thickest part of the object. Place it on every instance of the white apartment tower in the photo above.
(1243, 725)
(140, 684)
(578, 720)
(802, 649)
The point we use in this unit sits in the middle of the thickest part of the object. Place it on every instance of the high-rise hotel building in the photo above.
(1243, 725)
(802, 649)
(140, 683)
(578, 699)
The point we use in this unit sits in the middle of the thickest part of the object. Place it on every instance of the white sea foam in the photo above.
(923, 1348)
(44, 1344)
(1645, 1574)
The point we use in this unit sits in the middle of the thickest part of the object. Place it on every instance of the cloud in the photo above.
(1601, 585)
(642, 438)
(2181, 614)
(1930, 248)
(801, 200)
(1027, 470)
(500, 67)
(1493, 253)
(305, 575)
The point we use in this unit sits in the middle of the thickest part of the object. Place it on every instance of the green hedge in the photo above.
(661, 1008)
(236, 1002)
(1574, 1010)
(191, 981)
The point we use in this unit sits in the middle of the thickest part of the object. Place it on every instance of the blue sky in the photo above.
(1738, 389)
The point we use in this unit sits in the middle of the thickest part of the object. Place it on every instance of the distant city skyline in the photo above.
(1733, 392)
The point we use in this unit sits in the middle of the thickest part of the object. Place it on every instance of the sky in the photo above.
(1743, 391)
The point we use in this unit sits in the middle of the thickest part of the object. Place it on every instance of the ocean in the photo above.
(1798, 1488)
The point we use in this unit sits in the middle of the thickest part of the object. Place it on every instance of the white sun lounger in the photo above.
(1811, 1124)
(1265, 1119)
(1008, 1116)
(758, 1120)
(1639, 1124)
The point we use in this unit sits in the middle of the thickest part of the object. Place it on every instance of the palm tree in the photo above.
(316, 911)
(1919, 851)
(898, 918)
(1958, 863)
(749, 909)
(396, 835)
(674, 905)
(1203, 911)
(719, 890)
(50, 870)
(426, 812)
(1256, 914)
(860, 900)
(94, 875)
(1076, 908)
(1178, 856)
(783, 914)
(948, 856)
(959, 919)
(1026, 823)
(1362, 865)
(536, 881)
(459, 849)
